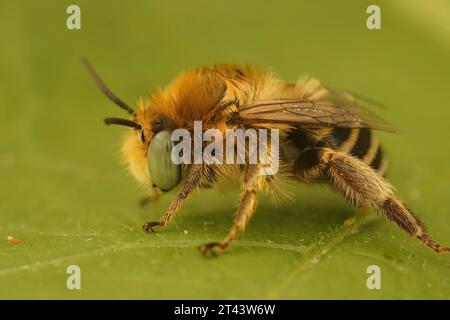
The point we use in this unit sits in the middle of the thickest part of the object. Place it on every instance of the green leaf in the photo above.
(65, 194)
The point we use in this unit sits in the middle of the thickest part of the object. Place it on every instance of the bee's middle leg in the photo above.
(247, 206)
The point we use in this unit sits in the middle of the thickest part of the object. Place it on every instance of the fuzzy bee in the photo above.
(326, 136)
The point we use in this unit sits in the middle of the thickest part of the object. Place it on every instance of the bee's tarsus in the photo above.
(433, 245)
(208, 248)
(149, 226)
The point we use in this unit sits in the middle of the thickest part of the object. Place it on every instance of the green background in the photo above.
(63, 191)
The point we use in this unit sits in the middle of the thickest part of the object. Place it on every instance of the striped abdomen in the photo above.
(302, 150)
(360, 143)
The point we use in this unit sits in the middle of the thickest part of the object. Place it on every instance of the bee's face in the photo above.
(149, 156)
(148, 153)
(147, 149)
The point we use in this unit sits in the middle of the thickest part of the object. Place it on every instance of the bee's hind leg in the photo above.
(192, 180)
(247, 206)
(364, 187)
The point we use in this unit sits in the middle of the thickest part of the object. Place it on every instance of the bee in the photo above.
(326, 136)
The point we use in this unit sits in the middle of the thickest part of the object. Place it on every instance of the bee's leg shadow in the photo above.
(144, 201)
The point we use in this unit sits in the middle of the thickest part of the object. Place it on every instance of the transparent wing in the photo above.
(336, 111)
(355, 99)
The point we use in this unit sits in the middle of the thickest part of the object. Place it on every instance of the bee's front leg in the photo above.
(193, 176)
(247, 206)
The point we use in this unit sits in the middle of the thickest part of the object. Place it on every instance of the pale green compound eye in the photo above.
(164, 173)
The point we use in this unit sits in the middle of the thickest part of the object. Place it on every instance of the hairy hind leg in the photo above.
(364, 187)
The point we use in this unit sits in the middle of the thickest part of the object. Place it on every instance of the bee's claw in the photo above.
(148, 226)
(208, 248)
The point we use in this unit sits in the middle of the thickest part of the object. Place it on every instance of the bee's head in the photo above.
(147, 148)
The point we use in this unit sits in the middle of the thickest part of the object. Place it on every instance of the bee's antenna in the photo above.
(123, 122)
(104, 89)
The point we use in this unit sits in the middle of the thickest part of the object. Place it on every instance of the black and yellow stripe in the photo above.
(377, 160)
(348, 144)
(360, 143)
